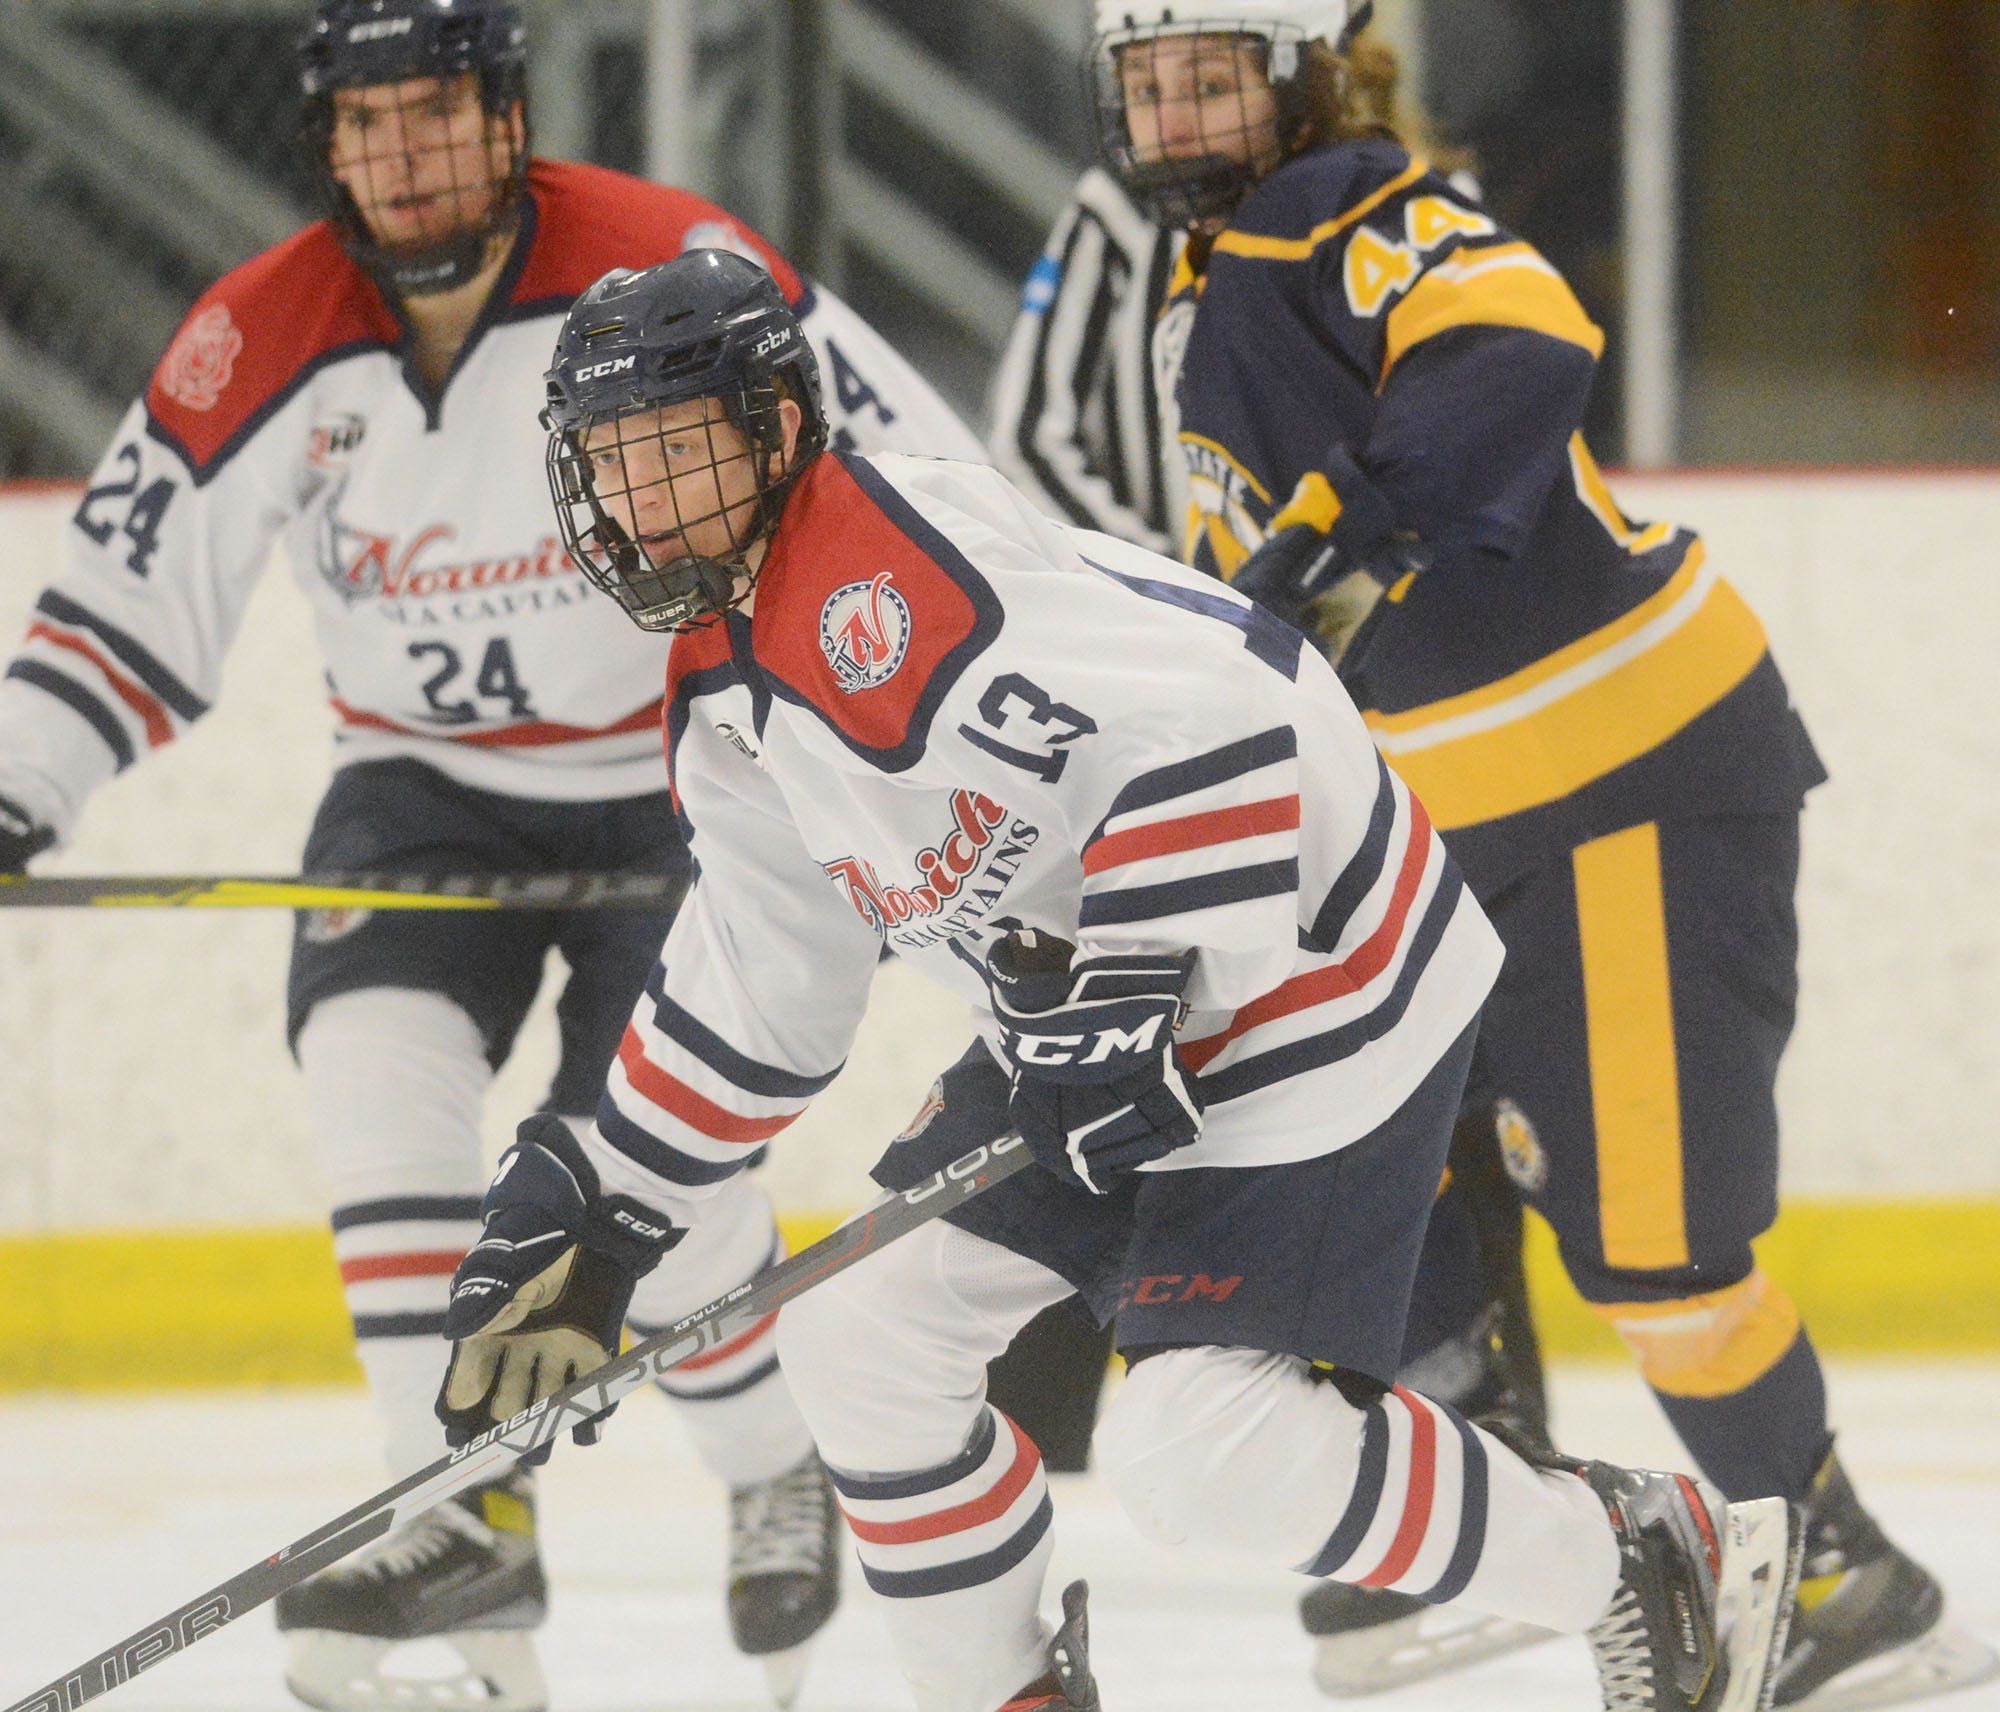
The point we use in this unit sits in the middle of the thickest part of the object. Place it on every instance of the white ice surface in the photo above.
(114, 1513)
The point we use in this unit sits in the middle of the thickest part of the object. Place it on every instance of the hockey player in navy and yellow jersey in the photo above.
(1379, 392)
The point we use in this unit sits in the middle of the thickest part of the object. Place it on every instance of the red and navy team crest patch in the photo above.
(932, 1107)
(864, 632)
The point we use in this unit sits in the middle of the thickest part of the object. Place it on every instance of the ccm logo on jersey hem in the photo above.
(864, 632)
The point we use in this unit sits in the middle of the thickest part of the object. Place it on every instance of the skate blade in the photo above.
(1940, 1662)
(1761, 1555)
(481, 1670)
(784, 1673)
(1413, 1649)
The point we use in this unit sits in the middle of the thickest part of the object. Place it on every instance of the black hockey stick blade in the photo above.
(345, 891)
(894, 1215)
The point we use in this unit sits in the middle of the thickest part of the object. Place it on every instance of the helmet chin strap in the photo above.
(439, 268)
(1179, 192)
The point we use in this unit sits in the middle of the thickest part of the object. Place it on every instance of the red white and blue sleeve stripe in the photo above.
(973, 1522)
(1204, 851)
(1416, 1520)
(1377, 930)
(686, 1106)
(105, 676)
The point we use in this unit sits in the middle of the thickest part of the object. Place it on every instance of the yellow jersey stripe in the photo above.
(1229, 552)
(1580, 714)
(1553, 675)
(1508, 286)
(1223, 452)
(1183, 277)
(1629, 1026)
(1262, 248)
(1597, 500)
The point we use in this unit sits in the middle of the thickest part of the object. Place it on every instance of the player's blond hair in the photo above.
(1360, 94)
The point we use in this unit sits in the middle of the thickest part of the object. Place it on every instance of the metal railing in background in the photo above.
(875, 214)
(146, 147)
(140, 157)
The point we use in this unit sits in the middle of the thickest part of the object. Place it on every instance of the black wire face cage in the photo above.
(660, 506)
(440, 162)
(1188, 182)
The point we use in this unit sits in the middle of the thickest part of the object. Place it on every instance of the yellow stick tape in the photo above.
(135, 1310)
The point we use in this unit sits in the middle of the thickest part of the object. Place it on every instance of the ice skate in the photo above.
(1067, 1685)
(1370, 1640)
(436, 1615)
(784, 1570)
(1704, 1595)
(1867, 1630)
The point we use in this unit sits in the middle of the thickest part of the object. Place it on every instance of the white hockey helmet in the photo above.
(1329, 21)
(1186, 193)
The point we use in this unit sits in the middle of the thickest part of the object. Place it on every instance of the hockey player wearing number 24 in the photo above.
(367, 391)
(1221, 968)
(1379, 393)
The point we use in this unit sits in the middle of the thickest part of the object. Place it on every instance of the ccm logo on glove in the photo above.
(1098, 1086)
(1050, 1051)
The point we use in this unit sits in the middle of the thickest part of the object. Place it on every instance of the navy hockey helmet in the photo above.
(1186, 190)
(656, 508)
(454, 200)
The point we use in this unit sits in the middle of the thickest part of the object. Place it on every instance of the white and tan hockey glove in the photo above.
(541, 1299)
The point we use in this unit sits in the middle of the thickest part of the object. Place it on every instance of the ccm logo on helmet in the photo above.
(773, 340)
(1055, 1049)
(381, 28)
(597, 371)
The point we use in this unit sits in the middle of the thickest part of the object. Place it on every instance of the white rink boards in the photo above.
(149, 1085)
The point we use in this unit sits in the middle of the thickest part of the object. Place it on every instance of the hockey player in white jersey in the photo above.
(1224, 979)
(366, 393)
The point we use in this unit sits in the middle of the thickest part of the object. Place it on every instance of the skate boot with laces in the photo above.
(1868, 1627)
(437, 1614)
(784, 1570)
(1705, 1590)
(1067, 1685)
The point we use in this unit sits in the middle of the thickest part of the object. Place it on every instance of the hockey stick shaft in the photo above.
(893, 1216)
(345, 890)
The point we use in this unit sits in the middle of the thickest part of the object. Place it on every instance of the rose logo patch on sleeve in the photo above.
(202, 360)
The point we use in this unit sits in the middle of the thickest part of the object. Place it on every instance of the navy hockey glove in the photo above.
(541, 1299)
(1332, 555)
(1098, 1087)
(21, 837)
